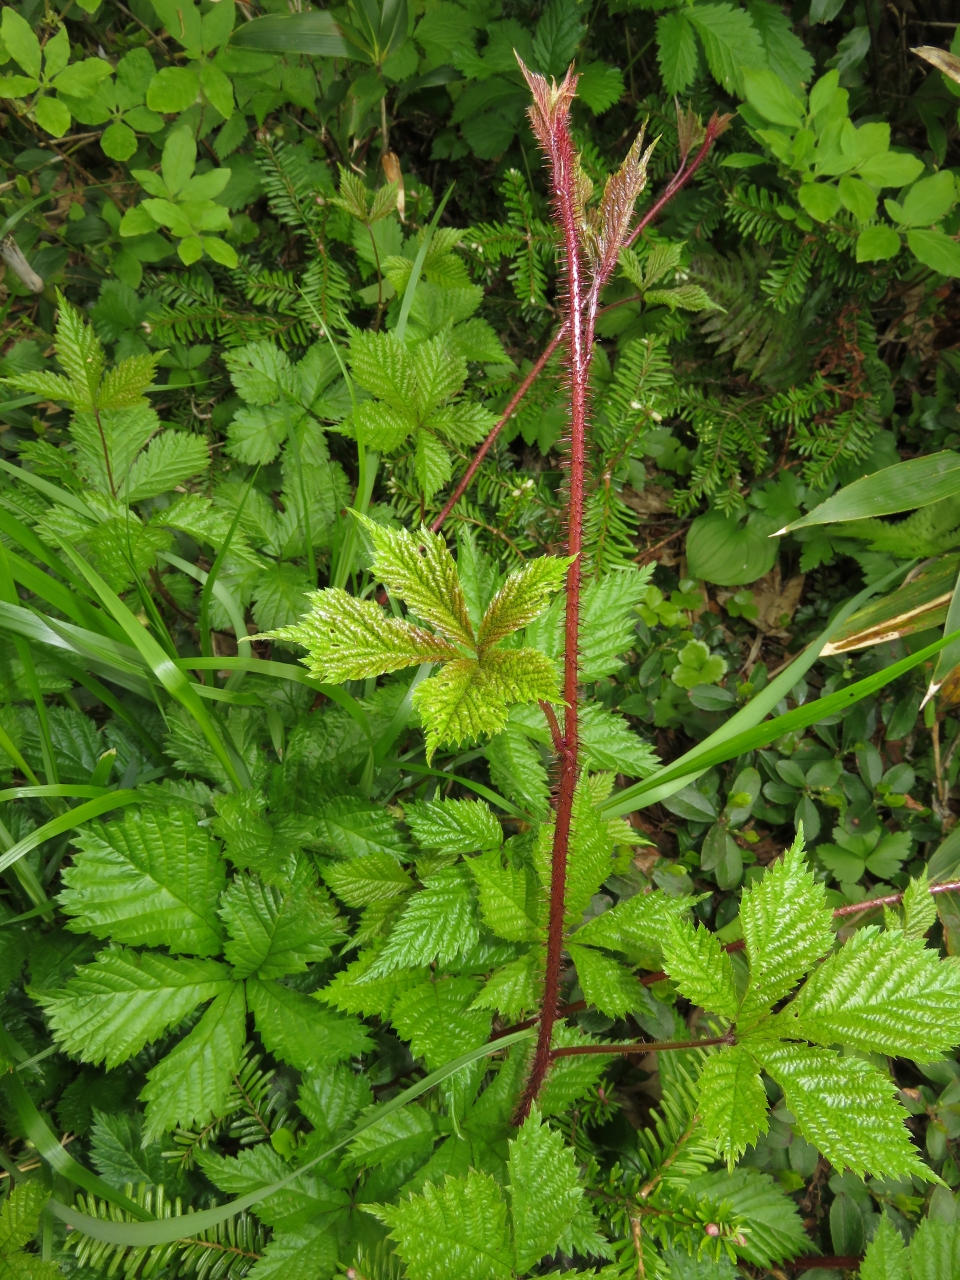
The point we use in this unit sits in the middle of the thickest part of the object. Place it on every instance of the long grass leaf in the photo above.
(67, 822)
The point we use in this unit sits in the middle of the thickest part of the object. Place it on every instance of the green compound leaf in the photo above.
(277, 930)
(523, 597)
(153, 879)
(787, 927)
(700, 967)
(110, 1009)
(881, 993)
(845, 1107)
(733, 1103)
(606, 984)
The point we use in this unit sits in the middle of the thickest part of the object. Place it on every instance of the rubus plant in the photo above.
(350, 923)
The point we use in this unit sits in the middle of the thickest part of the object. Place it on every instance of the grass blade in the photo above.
(67, 822)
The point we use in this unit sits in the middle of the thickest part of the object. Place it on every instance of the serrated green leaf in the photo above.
(469, 698)
(919, 907)
(374, 877)
(776, 1228)
(845, 1107)
(353, 990)
(125, 999)
(297, 1029)
(518, 772)
(880, 993)
(275, 930)
(606, 984)
(79, 352)
(545, 1191)
(20, 1215)
(608, 742)
(438, 1021)
(733, 1103)
(454, 826)
(637, 926)
(191, 1083)
(886, 1256)
(523, 597)
(351, 639)
(592, 838)
(676, 51)
(509, 898)
(935, 1251)
(700, 967)
(171, 459)
(514, 989)
(304, 1253)
(438, 924)
(349, 826)
(787, 927)
(125, 383)
(117, 1150)
(421, 570)
(153, 880)
(459, 1228)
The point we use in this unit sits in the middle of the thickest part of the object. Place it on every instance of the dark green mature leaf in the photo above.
(153, 879)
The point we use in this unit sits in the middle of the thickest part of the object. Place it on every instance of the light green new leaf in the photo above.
(523, 597)
(153, 880)
(422, 571)
(787, 927)
(545, 1191)
(80, 353)
(470, 698)
(454, 826)
(881, 993)
(276, 930)
(20, 1217)
(845, 1107)
(733, 1103)
(935, 1251)
(374, 877)
(125, 383)
(457, 1229)
(640, 924)
(438, 923)
(592, 839)
(508, 898)
(191, 1083)
(886, 1256)
(700, 967)
(110, 1009)
(294, 1027)
(351, 639)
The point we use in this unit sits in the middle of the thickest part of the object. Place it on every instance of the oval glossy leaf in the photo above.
(314, 33)
(722, 551)
(902, 487)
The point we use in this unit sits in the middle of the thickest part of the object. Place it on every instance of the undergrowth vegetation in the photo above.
(479, 542)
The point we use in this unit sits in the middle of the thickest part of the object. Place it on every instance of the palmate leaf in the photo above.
(787, 927)
(733, 1102)
(843, 1106)
(700, 967)
(152, 879)
(191, 1083)
(523, 597)
(351, 639)
(124, 1000)
(881, 993)
(277, 930)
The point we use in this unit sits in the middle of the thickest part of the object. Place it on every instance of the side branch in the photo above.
(654, 1046)
(505, 417)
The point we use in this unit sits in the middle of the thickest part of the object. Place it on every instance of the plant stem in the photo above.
(505, 417)
(655, 1046)
(579, 329)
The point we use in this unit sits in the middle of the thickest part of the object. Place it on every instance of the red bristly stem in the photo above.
(579, 329)
(654, 1046)
(504, 418)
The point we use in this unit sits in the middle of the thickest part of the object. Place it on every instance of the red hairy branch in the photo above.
(654, 1046)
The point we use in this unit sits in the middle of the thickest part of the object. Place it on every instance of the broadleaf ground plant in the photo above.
(477, 705)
